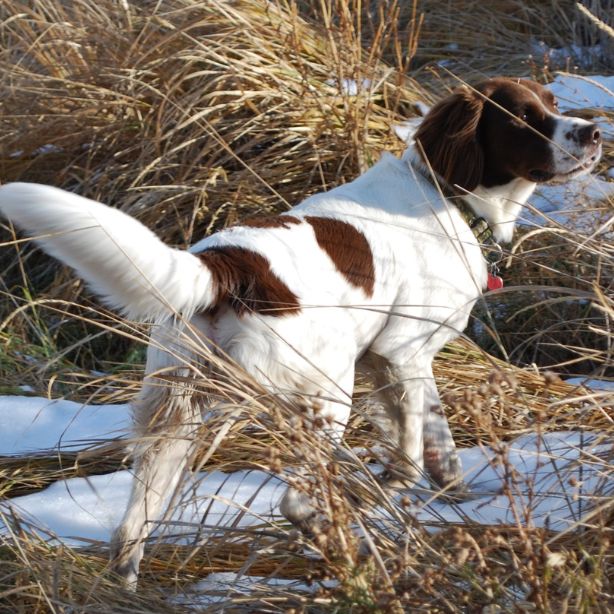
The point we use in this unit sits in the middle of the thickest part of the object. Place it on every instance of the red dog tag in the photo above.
(494, 282)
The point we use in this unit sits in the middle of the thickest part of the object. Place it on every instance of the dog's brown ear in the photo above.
(448, 137)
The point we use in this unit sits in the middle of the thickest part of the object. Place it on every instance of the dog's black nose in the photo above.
(589, 135)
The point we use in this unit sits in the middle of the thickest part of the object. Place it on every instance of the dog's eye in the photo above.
(522, 118)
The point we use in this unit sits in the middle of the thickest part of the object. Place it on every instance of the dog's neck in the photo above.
(498, 205)
(501, 205)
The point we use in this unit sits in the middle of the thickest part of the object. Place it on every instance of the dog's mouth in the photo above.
(585, 166)
(539, 176)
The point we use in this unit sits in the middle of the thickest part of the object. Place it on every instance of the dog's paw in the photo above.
(443, 466)
(395, 480)
(296, 507)
(457, 492)
(125, 557)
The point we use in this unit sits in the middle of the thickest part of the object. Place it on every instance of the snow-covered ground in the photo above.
(557, 479)
(29, 424)
(82, 509)
(219, 586)
(581, 92)
(559, 58)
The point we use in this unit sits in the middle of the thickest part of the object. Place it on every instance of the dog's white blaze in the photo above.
(567, 153)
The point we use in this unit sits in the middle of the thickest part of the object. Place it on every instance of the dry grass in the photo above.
(190, 115)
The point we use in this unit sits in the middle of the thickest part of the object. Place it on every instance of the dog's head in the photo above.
(504, 129)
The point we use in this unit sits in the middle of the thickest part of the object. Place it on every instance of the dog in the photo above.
(389, 265)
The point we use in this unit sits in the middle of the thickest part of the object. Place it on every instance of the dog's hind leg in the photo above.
(166, 419)
(327, 412)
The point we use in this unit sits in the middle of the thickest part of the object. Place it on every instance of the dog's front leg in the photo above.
(403, 392)
(440, 456)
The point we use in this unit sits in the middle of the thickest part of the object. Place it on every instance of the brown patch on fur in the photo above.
(243, 279)
(273, 221)
(348, 249)
(448, 138)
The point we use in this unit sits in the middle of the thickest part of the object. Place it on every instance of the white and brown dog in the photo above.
(386, 265)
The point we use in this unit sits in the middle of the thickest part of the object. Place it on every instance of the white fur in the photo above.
(570, 157)
(501, 205)
(122, 260)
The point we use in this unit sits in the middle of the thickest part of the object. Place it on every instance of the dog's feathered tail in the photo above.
(122, 260)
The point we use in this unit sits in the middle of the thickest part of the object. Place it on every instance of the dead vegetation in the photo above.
(191, 115)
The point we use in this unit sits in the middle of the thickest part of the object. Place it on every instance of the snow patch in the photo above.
(570, 202)
(34, 424)
(543, 481)
(82, 509)
(579, 92)
(583, 56)
(220, 586)
(592, 384)
(48, 148)
(550, 481)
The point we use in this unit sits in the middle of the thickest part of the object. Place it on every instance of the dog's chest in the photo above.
(437, 272)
